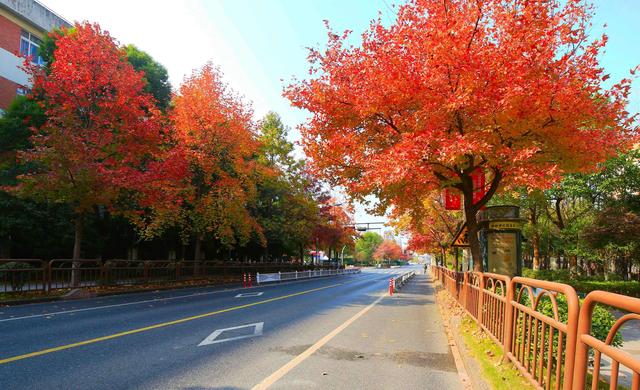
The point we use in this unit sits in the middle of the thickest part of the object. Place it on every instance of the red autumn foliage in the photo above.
(336, 224)
(512, 88)
(101, 142)
(388, 250)
(214, 129)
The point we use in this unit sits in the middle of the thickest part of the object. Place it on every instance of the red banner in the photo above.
(452, 199)
(478, 179)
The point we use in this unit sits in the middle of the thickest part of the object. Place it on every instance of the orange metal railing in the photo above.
(585, 341)
(549, 346)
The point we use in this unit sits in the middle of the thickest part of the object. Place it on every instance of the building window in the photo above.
(29, 45)
(22, 91)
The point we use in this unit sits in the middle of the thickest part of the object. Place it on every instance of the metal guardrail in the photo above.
(34, 275)
(552, 351)
(400, 281)
(283, 276)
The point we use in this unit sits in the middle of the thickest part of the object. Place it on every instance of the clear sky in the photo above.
(261, 44)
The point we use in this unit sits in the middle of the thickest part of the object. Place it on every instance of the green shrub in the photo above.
(614, 277)
(552, 275)
(631, 289)
(602, 319)
(585, 284)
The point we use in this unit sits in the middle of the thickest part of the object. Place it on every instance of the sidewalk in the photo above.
(400, 343)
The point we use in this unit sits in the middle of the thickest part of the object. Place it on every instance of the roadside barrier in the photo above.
(262, 278)
(399, 281)
(34, 275)
(543, 329)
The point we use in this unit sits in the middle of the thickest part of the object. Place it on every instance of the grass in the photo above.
(488, 354)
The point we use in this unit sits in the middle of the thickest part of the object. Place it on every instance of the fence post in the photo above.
(50, 272)
(103, 273)
(45, 278)
(145, 271)
(465, 290)
(481, 298)
(508, 321)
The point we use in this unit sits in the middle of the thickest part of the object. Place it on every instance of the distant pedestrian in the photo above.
(425, 268)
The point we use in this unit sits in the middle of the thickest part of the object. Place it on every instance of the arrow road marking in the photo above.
(251, 294)
(213, 337)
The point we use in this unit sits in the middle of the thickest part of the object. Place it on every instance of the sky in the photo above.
(261, 45)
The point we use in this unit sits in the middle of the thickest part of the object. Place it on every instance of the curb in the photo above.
(467, 384)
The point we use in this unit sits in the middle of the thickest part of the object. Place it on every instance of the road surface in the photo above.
(338, 332)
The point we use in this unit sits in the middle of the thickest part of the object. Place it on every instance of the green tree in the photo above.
(15, 133)
(367, 245)
(286, 208)
(275, 149)
(154, 73)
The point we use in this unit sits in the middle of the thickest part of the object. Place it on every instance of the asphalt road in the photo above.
(177, 339)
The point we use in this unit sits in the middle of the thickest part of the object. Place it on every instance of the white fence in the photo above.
(399, 281)
(282, 276)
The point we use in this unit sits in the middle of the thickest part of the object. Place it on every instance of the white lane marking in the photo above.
(251, 294)
(109, 306)
(147, 301)
(282, 371)
(213, 337)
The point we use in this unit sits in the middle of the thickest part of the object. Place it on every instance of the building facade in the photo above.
(23, 24)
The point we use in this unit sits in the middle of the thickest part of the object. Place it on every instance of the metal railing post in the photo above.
(508, 322)
(481, 299)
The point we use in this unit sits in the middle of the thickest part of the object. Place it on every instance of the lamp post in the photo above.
(342, 256)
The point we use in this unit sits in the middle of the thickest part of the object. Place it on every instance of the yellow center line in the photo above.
(160, 325)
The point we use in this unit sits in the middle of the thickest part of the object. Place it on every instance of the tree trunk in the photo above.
(77, 248)
(455, 259)
(197, 254)
(535, 243)
(573, 265)
(301, 254)
(471, 208)
(474, 244)
(5, 247)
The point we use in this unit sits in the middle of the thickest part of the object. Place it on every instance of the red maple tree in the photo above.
(388, 250)
(102, 137)
(511, 88)
(335, 228)
(214, 128)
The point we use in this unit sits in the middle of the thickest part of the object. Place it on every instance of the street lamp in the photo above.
(342, 256)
